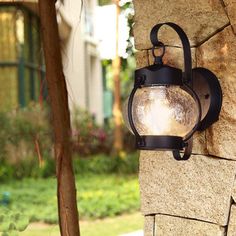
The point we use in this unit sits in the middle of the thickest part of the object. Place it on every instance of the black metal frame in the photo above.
(205, 79)
(159, 74)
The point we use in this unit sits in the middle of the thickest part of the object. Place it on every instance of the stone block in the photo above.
(198, 18)
(199, 188)
(221, 138)
(176, 226)
(232, 222)
(141, 59)
(200, 143)
(230, 7)
(149, 225)
(218, 54)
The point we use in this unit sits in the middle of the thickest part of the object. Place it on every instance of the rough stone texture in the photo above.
(218, 54)
(141, 59)
(199, 143)
(221, 138)
(232, 222)
(199, 19)
(176, 226)
(199, 188)
(230, 7)
(149, 225)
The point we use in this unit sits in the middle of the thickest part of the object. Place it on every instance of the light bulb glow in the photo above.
(162, 110)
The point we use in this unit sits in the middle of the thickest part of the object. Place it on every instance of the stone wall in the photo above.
(198, 196)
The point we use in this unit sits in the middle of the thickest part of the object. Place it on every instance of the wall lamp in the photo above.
(168, 105)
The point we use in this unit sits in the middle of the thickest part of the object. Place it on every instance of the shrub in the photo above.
(88, 137)
(27, 148)
(25, 140)
(102, 164)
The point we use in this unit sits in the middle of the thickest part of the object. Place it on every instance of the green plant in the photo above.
(98, 196)
(12, 222)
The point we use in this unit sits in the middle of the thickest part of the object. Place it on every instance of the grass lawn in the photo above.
(99, 196)
(106, 227)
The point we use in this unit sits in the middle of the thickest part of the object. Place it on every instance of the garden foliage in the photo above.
(26, 144)
(98, 196)
(106, 183)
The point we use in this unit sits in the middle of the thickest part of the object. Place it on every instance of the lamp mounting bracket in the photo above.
(207, 87)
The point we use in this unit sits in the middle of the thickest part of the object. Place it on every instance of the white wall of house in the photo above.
(106, 31)
(81, 60)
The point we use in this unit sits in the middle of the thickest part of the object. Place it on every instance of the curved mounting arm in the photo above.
(187, 151)
(186, 47)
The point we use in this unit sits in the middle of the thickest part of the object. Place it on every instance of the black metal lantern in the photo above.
(166, 105)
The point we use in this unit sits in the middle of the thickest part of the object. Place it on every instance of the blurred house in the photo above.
(105, 28)
(21, 58)
(106, 31)
(21, 70)
(81, 59)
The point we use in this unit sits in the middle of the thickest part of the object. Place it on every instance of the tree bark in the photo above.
(116, 65)
(66, 189)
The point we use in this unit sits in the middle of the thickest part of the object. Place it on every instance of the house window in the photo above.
(21, 57)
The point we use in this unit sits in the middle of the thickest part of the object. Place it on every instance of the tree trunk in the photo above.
(66, 189)
(116, 64)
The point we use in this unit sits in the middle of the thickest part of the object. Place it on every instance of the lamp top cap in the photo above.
(159, 75)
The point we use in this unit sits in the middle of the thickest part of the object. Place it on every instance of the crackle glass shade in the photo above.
(163, 110)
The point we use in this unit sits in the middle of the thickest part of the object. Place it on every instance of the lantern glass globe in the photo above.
(163, 110)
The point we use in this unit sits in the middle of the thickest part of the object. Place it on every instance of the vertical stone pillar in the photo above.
(195, 197)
